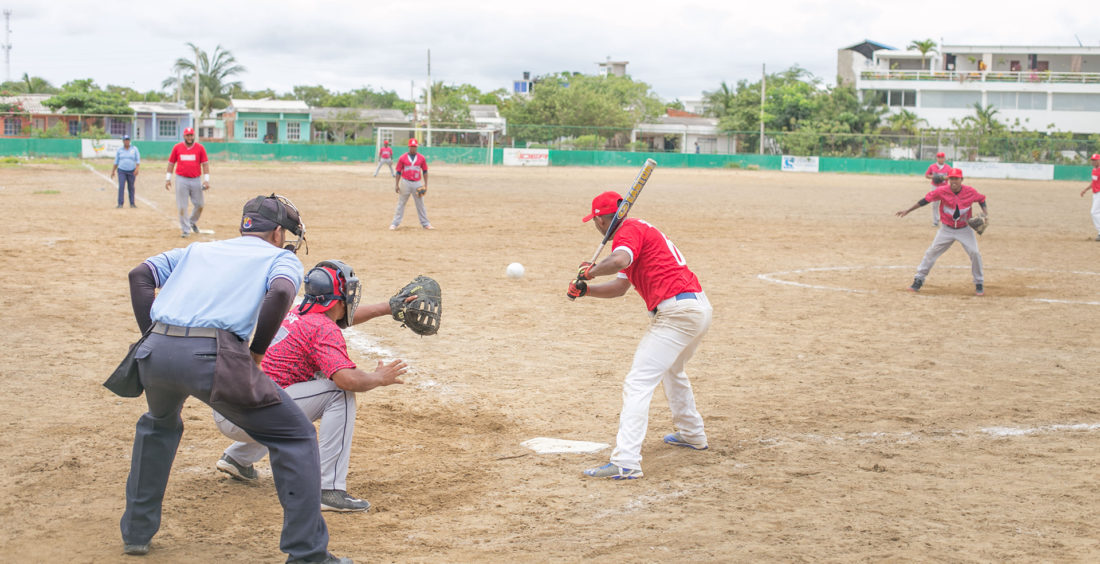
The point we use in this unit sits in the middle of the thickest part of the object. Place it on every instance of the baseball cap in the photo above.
(413, 143)
(125, 137)
(955, 173)
(940, 154)
(1095, 157)
(386, 142)
(267, 213)
(605, 203)
(189, 131)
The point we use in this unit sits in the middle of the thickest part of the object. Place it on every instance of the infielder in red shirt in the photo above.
(938, 168)
(645, 258)
(385, 157)
(412, 180)
(1095, 187)
(309, 359)
(189, 159)
(956, 201)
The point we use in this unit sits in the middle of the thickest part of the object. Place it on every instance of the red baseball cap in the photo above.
(955, 173)
(605, 203)
(413, 143)
(1095, 157)
(386, 142)
(189, 131)
(940, 154)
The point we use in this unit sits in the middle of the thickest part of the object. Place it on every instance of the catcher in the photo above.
(308, 358)
(956, 203)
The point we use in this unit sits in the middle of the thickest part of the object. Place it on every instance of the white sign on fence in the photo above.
(526, 157)
(799, 164)
(99, 148)
(1024, 171)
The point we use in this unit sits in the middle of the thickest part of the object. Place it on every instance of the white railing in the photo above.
(1032, 77)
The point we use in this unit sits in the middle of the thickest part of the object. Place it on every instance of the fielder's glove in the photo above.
(421, 191)
(422, 314)
(979, 223)
(938, 179)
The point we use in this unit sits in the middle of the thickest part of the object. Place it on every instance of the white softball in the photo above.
(515, 270)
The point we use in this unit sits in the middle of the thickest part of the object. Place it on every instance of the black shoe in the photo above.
(978, 290)
(131, 205)
(339, 500)
(118, 207)
(238, 471)
(135, 549)
(917, 283)
(194, 228)
(330, 559)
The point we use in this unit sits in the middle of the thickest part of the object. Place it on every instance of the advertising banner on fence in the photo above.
(99, 148)
(1023, 171)
(799, 164)
(527, 157)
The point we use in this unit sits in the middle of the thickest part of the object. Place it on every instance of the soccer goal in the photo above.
(478, 142)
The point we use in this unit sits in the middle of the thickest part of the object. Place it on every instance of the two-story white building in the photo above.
(1044, 88)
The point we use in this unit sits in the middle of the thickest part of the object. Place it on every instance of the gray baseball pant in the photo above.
(945, 237)
(387, 162)
(188, 190)
(405, 190)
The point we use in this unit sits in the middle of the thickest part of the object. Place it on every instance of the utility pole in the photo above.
(196, 122)
(7, 45)
(429, 98)
(763, 80)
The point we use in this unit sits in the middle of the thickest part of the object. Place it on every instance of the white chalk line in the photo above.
(368, 345)
(774, 277)
(906, 437)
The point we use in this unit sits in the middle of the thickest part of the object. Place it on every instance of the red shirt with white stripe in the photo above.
(657, 269)
(410, 167)
(188, 160)
(937, 168)
(305, 346)
(950, 202)
(385, 152)
(1096, 180)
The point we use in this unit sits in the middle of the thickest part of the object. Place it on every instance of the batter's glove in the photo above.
(422, 313)
(584, 269)
(979, 223)
(421, 191)
(577, 288)
(938, 179)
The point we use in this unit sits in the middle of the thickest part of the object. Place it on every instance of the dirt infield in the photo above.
(849, 419)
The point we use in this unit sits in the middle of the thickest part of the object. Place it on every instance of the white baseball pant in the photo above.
(318, 399)
(669, 343)
(945, 237)
(405, 190)
(1096, 212)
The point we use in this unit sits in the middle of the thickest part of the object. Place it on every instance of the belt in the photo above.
(177, 331)
(685, 296)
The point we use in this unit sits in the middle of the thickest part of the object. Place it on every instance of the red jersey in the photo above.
(385, 153)
(188, 160)
(936, 168)
(304, 346)
(657, 269)
(411, 168)
(954, 208)
(1096, 180)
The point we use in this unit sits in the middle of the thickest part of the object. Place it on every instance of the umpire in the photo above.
(212, 297)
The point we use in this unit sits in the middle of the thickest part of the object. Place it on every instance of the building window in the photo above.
(119, 127)
(1076, 102)
(1018, 100)
(167, 128)
(945, 99)
(74, 127)
(896, 98)
(293, 130)
(13, 126)
(251, 129)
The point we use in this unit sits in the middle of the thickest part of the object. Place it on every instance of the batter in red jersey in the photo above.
(937, 171)
(309, 359)
(1095, 187)
(956, 203)
(189, 160)
(645, 258)
(412, 181)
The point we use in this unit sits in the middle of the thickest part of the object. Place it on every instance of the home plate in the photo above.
(206, 231)
(544, 445)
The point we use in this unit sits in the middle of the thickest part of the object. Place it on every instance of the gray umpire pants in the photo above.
(945, 237)
(173, 368)
(318, 399)
(405, 190)
(188, 190)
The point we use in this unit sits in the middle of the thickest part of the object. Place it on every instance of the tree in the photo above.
(926, 46)
(213, 75)
(720, 101)
(84, 97)
(29, 85)
(903, 122)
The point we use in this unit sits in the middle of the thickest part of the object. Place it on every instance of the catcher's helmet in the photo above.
(328, 282)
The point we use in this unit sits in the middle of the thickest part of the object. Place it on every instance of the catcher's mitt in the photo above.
(422, 314)
(978, 223)
(938, 179)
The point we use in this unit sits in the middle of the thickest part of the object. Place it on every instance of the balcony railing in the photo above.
(1025, 77)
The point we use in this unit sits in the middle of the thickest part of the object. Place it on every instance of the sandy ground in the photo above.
(849, 419)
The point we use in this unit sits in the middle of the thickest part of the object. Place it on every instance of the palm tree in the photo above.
(905, 122)
(984, 119)
(720, 101)
(213, 75)
(925, 47)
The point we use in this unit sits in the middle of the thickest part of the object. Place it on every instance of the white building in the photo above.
(1043, 88)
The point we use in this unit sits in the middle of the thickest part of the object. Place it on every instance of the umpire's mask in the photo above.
(328, 282)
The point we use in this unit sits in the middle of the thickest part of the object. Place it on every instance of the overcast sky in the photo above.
(680, 48)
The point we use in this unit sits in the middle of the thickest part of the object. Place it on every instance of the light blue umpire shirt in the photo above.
(219, 284)
(128, 159)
